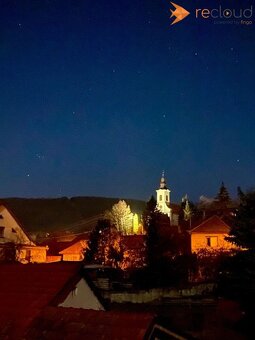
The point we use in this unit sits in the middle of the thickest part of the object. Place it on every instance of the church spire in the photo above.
(162, 184)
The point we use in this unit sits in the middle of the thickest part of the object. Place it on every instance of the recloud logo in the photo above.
(180, 13)
(227, 15)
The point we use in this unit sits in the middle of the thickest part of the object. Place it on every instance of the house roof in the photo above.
(175, 208)
(60, 323)
(134, 241)
(26, 289)
(213, 224)
(56, 247)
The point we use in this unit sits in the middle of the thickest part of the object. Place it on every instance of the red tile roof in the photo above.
(26, 289)
(56, 247)
(213, 224)
(70, 323)
(134, 241)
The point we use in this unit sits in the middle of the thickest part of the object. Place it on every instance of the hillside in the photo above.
(53, 214)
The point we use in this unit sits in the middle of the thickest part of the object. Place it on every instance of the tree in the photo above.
(187, 211)
(151, 218)
(9, 252)
(240, 193)
(109, 251)
(104, 245)
(121, 217)
(242, 232)
(223, 195)
(94, 240)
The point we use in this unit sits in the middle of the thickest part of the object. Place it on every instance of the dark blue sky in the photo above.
(98, 97)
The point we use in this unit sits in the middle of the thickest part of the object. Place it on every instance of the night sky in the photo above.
(98, 97)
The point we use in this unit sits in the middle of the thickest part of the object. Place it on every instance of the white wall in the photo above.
(82, 297)
(12, 231)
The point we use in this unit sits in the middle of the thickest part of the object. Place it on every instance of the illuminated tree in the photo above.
(187, 211)
(121, 217)
(109, 251)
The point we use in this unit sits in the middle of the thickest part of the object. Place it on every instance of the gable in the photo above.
(213, 225)
(11, 230)
(82, 296)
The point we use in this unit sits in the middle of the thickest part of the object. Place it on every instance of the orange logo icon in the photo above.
(179, 13)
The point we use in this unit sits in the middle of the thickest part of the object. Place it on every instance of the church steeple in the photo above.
(162, 184)
(163, 197)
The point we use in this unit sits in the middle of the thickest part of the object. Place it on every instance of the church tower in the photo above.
(163, 197)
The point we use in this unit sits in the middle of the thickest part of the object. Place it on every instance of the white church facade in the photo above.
(164, 204)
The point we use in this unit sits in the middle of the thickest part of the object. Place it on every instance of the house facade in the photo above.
(14, 240)
(210, 235)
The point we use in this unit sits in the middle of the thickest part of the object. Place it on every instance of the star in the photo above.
(196, 53)
(28, 175)
(39, 156)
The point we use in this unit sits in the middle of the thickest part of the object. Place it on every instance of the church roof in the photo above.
(174, 207)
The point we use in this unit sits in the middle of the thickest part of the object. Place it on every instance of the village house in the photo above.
(14, 239)
(210, 235)
(26, 290)
(59, 301)
(72, 249)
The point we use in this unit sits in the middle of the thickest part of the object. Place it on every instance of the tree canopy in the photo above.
(243, 229)
(121, 217)
(223, 195)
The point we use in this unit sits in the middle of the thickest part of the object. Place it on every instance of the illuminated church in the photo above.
(164, 204)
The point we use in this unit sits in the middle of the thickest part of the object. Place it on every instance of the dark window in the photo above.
(212, 241)
(208, 241)
(1, 217)
(14, 231)
(1, 231)
(160, 197)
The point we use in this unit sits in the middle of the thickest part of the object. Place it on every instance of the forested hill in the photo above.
(52, 214)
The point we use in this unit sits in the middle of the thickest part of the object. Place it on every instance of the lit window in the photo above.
(212, 241)
(1, 231)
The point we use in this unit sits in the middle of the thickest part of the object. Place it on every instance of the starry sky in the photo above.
(98, 97)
